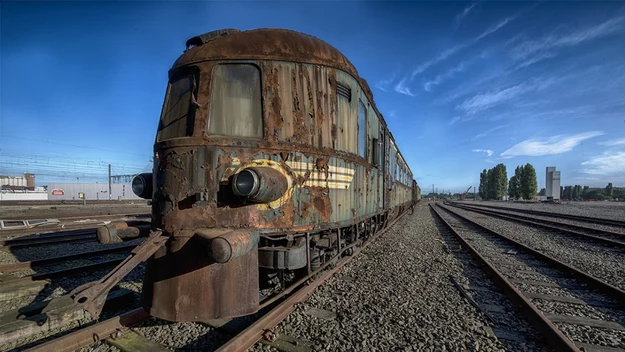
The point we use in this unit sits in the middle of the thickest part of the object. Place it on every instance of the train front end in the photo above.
(216, 186)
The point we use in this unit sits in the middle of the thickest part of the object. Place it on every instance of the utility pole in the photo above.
(109, 181)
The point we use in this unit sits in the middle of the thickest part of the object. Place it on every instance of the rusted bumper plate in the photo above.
(212, 274)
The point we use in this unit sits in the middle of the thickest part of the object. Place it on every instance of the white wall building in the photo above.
(552, 185)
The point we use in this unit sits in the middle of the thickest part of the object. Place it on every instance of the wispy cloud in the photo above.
(454, 49)
(493, 29)
(487, 151)
(442, 56)
(402, 88)
(613, 142)
(454, 120)
(459, 17)
(384, 84)
(608, 163)
(487, 132)
(532, 51)
(552, 145)
(489, 99)
(440, 78)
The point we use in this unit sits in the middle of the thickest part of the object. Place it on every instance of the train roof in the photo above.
(271, 44)
(264, 44)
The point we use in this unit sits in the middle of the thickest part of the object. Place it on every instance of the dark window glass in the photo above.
(362, 130)
(235, 107)
(179, 111)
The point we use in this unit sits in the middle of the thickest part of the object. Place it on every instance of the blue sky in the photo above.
(463, 85)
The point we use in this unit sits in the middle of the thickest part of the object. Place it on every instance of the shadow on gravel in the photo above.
(484, 293)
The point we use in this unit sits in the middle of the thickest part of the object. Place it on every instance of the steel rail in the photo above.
(81, 235)
(595, 220)
(12, 267)
(553, 335)
(113, 327)
(81, 216)
(611, 290)
(552, 225)
(59, 273)
(255, 332)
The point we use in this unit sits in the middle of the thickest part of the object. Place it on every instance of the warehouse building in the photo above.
(90, 191)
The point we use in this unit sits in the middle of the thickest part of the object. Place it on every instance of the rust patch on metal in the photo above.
(320, 201)
(299, 124)
(272, 102)
(304, 209)
(322, 165)
(309, 90)
(182, 277)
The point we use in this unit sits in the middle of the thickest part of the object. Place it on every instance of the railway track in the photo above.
(598, 235)
(82, 235)
(241, 332)
(587, 219)
(37, 272)
(26, 227)
(573, 309)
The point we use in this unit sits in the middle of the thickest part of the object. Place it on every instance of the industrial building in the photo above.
(90, 191)
(23, 188)
(552, 185)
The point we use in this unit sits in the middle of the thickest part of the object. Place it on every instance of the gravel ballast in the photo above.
(515, 263)
(397, 295)
(599, 260)
(604, 210)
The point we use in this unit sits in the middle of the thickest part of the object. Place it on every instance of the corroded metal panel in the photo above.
(347, 115)
(183, 284)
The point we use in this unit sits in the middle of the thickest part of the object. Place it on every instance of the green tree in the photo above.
(609, 190)
(596, 194)
(483, 184)
(542, 192)
(501, 176)
(514, 188)
(491, 189)
(585, 190)
(577, 191)
(529, 184)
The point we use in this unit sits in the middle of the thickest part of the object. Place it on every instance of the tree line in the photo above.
(494, 184)
(578, 192)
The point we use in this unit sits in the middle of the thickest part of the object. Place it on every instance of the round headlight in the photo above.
(142, 185)
(245, 183)
(138, 185)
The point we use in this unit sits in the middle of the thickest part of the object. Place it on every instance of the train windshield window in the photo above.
(235, 107)
(362, 130)
(179, 112)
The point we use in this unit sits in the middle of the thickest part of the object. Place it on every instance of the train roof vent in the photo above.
(344, 90)
(206, 37)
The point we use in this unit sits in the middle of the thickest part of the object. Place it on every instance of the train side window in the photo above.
(178, 114)
(392, 167)
(362, 130)
(383, 151)
(375, 152)
(235, 107)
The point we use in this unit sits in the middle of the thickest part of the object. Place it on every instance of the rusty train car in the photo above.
(271, 161)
